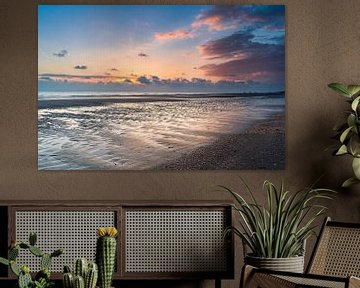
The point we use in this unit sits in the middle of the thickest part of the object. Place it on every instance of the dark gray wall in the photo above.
(322, 46)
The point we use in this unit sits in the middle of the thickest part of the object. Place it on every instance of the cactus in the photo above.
(80, 267)
(90, 272)
(79, 282)
(67, 269)
(105, 254)
(13, 253)
(24, 280)
(36, 251)
(42, 278)
(45, 261)
(91, 276)
(68, 280)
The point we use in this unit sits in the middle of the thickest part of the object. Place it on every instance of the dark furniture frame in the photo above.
(7, 218)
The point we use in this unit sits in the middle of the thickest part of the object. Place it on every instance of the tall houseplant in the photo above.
(276, 233)
(349, 131)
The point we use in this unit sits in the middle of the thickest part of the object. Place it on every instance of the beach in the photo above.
(163, 132)
(259, 147)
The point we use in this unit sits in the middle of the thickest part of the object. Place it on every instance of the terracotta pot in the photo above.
(291, 264)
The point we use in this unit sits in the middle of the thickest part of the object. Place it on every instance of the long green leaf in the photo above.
(340, 88)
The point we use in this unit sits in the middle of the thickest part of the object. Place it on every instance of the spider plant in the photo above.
(280, 229)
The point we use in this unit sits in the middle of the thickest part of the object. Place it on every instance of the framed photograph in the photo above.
(161, 87)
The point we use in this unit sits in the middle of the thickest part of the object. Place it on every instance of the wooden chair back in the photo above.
(337, 251)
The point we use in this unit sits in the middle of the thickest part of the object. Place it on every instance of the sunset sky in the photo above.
(161, 48)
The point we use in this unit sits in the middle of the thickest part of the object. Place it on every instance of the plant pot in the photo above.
(291, 264)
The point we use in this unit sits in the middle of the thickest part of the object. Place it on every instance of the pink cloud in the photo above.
(212, 22)
(175, 35)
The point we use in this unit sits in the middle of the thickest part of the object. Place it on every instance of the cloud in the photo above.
(141, 54)
(270, 18)
(80, 67)
(223, 17)
(81, 78)
(146, 81)
(239, 57)
(61, 54)
(218, 18)
(143, 80)
(175, 35)
(45, 78)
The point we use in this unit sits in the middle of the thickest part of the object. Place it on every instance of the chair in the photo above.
(335, 262)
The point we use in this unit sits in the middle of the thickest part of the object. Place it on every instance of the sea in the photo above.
(139, 131)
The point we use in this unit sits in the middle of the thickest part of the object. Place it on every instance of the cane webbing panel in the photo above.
(313, 282)
(175, 241)
(261, 280)
(74, 231)
(338, 252)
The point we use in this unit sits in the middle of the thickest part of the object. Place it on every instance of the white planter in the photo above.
(291, 264)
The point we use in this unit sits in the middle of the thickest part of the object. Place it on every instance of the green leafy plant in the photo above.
(348, 132)
(279, 229)
(42, 278)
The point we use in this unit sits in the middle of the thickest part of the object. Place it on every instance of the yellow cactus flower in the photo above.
(106, 231)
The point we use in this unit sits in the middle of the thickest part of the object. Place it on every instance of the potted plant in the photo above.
(276, 233)
(42, 278)
(348, 132)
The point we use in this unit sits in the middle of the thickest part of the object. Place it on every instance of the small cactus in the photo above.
(106, 254)
(79, 282)
(80, 268)
(68, 280)
(89, 272)
(91, 276)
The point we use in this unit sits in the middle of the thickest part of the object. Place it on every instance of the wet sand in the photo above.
(260, 147)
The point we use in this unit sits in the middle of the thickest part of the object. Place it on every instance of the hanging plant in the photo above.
(348, 132)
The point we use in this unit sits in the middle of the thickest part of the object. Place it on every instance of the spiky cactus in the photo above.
(106, 254)
(87, 272)
(79, 282)
(80, 267)
(91, 276)
(68, 280)
(23, 273)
